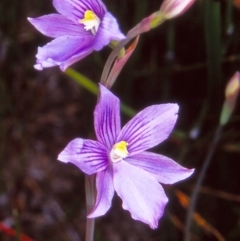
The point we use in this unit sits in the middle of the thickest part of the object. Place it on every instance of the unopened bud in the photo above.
(233, 86)
(231, 94)
(173, 8)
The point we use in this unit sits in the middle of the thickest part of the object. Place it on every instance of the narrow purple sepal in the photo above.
(149, 127)
(56, 25)
(163, 168)
(141, 193)
(64, 51)
(105, 192)
(107, 32)
(90, 156)
(106, 117)
(75, 9)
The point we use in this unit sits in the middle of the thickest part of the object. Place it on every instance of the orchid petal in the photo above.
(64, 51)
(107, 32)
(141, 193)
(163, 168)
(149, 127)
(106, 117)
(75, 9)
(56, 25)
(105, 192)
(90, 156)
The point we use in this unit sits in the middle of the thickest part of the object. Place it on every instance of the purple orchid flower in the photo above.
(120, 159)
(81, 27)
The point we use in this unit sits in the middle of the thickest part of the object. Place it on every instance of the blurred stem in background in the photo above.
(211, 21)
(212, 32)
(2, 127)
(228, 28)
(193, 199)
(231, 95)
(169, 59)
(90, 200)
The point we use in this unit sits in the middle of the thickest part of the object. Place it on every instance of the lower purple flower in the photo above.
(120, 159)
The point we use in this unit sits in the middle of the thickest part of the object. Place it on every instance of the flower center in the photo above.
(90, 21)
(119, 151)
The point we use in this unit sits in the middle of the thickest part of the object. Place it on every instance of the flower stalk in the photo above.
(90, 200)
(231, 93)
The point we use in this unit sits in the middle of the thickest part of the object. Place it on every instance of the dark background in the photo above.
(187, 61)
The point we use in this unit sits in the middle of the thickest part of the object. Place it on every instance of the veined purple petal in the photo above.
(163, 168)
(149, 127)
(64, 51)
(107, 117)
(141, 193)
(75, 9)
(82, 54)
(105, 192)
(107, 31)
(56, 25)
(88, 155)
(72, 41)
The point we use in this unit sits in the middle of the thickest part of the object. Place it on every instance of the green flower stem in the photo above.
(93, 88)
(82, 80)
(127, 110)
(90, 200)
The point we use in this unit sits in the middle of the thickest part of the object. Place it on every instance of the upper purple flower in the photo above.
(81, 27)
(120, 159)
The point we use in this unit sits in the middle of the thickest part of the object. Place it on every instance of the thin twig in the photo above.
(90, 199)
(200, 180)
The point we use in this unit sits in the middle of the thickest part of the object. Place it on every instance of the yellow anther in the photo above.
(121, 147)
(119, 151)
(90, 21)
